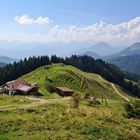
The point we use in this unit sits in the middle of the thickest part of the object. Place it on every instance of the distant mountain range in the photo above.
(13, 49)
(128, 59)
(87, 52)
(18, 50)
(116, 55)
(102, 49)
(132, 50)
(5, 60)
(99, 50)
(128, 63)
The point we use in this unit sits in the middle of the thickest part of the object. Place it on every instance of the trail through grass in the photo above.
(113, 86)
(34, 103)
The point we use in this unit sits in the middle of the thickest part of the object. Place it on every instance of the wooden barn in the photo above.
(20, 87)
(64, 91)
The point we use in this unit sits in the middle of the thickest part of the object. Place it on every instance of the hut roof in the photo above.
(64, 89)
(16, 83)
(24, 88)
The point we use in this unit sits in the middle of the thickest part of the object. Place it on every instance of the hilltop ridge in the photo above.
(69, 76)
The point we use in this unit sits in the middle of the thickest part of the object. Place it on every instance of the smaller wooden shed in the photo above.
(64, 91)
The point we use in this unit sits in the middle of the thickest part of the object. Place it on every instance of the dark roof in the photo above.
(64, 89)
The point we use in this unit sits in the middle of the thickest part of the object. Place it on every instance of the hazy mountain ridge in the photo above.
(5, 60)
(131, 50)
(128, 59)
(13, 49)
(102, 49)
(128, 63)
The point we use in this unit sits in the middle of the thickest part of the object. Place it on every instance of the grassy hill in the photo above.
(79, 81)
(55, 119)
(58, 121)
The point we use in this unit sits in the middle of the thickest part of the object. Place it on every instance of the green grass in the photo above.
(79, 81)
(58, 121)
(14, 100)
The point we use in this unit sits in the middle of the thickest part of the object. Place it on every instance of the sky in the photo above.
(112, 21)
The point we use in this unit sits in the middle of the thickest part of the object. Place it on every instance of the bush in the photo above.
(76, 99)
(50, 87)
(99, 132)
(133, 109)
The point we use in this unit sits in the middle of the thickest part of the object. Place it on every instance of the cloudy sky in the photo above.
(112, 21)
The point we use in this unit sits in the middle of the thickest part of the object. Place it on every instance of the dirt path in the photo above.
(116, 90)
(36, 102)
(119, 93)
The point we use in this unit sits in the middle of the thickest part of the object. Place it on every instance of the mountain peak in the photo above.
(134, 49)
(137, 44)
(102, 49)
(103, 44)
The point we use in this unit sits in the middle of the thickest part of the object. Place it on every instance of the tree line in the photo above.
(86, 63)
(17, 69)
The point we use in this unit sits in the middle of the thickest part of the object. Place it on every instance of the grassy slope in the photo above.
(73, 78)
(58, 121)
(14, 100)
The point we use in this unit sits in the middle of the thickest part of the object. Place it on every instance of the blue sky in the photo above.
(66, 14)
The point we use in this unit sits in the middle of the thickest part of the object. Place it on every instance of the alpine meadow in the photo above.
(69, 70)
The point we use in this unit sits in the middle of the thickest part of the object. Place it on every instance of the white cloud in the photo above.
(26, 20)
(124, 33)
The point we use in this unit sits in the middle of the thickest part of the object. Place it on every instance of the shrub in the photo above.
(50, 87)
(133, 109)
(86, 96)
(76, 99)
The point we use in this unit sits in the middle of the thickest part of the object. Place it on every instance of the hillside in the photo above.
(57, 120)
(79, 81)
(128, 63)
(86, 63)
